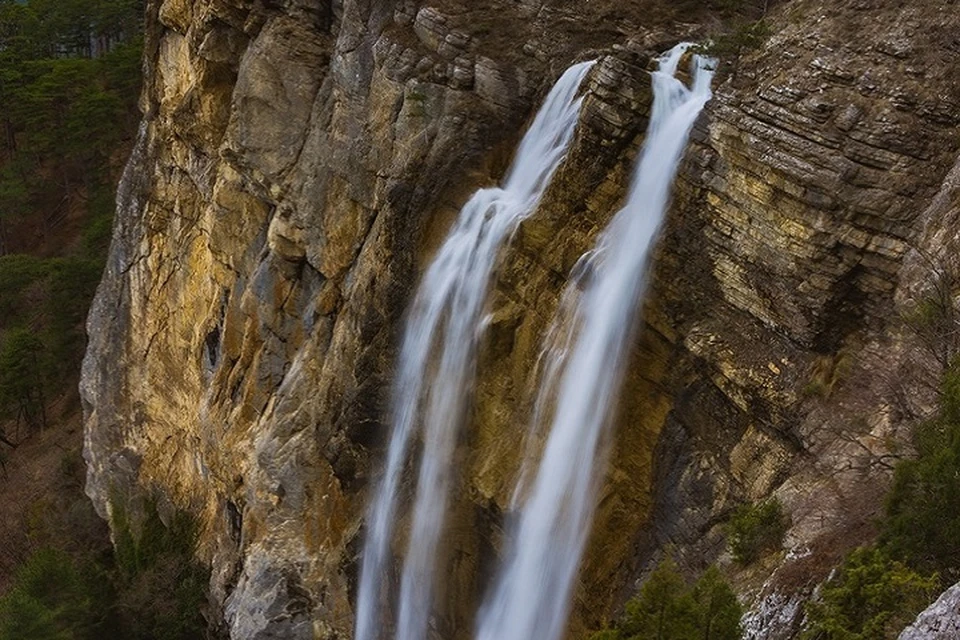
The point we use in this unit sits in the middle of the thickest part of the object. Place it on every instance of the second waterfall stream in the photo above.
(530, 599)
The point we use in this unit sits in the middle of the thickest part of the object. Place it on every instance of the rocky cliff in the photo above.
(298, 162)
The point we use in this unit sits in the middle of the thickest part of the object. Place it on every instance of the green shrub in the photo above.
(154, 591)
(872, 597)
(878, 590)
(667, 608)
(64, 114)
(51, 598)
(162, 586)
(95, 238)
(755, 529)
(922, 524)
(14, 194)
(742, 38)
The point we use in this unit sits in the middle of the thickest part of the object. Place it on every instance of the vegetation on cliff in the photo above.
(872, 596)
(69, 82)
(923, 510)
(756, 528)
(879, 589)
(53, 596)
(153, 591)
(667, 608)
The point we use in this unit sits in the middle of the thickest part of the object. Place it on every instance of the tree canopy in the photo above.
(667, 608)
(69, 83)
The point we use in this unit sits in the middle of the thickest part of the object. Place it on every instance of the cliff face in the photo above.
(300, 160)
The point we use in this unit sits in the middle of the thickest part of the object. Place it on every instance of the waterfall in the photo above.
(436, 365)
(531, 595)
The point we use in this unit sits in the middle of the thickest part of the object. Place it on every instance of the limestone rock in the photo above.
(939, 621)
(298, 164)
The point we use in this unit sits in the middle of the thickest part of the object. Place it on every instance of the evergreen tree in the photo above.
(667, 608)
(872, 597)
(719, 610)
(22, 376)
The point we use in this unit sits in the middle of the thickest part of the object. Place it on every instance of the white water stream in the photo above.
(436, 368)
(530, 598)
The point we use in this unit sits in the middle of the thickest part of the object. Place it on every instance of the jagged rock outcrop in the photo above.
(299, 161)
(812, 187)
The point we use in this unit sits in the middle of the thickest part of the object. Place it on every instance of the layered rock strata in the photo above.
(300, 160)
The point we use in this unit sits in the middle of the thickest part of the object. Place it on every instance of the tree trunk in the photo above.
(10, 135)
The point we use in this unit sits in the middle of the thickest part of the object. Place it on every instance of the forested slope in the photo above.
(70, 76)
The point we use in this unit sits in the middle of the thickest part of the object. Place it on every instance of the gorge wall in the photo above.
(300, 160)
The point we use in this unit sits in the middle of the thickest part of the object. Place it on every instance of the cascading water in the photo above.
(530, 598)
(436, 364)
